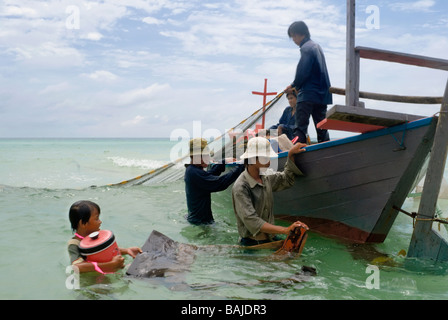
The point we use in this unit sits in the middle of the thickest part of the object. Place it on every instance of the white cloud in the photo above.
(151, 20)
(47, 55)
(16, 11)
(143, 96)
(251, 28)
(55, 88)
(101, 76)
(415, 6)
(94, 36)
(143, 68)
(135, 121)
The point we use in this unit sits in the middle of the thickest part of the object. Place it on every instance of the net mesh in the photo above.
(231, 144)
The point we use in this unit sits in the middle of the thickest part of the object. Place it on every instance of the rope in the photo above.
(401, 144)
(414, 216)
(149, 175)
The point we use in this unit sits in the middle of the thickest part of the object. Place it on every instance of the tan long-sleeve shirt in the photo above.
(253, 202)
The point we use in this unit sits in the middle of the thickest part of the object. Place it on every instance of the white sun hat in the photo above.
(259, 147)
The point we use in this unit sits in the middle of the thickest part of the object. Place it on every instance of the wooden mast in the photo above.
(427, 243)
(352, 59)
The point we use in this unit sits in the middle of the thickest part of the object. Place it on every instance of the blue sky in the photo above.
(145, 68)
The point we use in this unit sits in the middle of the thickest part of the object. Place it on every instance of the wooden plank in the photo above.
(403, 58)
(338, 125)
(426, 243)
(357, 117)
(391, 97)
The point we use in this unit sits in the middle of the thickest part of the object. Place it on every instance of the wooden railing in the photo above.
(353, 95)
(403, 58)
(354, 55)
(391, 97)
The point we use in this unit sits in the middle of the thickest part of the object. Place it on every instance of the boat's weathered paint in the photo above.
(351, 185)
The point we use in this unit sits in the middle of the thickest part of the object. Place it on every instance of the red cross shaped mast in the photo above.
(264, 94)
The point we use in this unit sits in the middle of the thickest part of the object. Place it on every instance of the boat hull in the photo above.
(351, 186)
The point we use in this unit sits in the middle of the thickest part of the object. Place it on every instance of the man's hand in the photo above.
(296, 225)
(288, 89)
(297, 148)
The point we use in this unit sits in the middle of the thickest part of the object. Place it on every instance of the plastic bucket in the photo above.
(99, 246)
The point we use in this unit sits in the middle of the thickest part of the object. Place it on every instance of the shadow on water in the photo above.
(171, 263)
(399, 262)
(93, 286)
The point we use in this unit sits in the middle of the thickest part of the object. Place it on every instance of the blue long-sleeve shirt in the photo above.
(312, 81)
(199, 184)
(288, 122)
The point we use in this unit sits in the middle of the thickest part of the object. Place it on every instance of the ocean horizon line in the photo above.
(79, 138)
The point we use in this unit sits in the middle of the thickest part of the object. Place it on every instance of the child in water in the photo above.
(85, 218)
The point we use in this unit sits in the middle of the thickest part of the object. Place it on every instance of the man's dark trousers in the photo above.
(304, 110)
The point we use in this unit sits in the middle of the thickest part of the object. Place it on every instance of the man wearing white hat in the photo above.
(252, 192)
(199, 183)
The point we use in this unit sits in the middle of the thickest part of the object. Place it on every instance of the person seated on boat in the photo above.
(279, 143)
(200, 183)
(252, 192)
(84, 218)
(287, 122)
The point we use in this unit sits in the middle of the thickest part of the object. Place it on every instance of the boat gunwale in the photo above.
(364, 136)
(360, 137)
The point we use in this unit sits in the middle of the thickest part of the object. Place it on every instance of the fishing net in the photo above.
(230, 145)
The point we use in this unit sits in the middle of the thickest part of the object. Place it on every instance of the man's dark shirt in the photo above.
(199, 184)
(312, 80)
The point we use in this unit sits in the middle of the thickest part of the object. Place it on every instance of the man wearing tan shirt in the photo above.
(252, 196)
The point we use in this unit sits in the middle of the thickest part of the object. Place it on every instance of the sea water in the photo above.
(41, 178)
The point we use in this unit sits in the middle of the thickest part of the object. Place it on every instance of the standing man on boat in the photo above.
(199, 183)
(252, 196)
(311, 82)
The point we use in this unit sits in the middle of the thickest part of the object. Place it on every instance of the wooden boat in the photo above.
(352, 186)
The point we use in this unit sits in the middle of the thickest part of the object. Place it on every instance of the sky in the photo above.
(144, 68)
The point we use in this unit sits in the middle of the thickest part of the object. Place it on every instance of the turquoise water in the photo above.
(41, 178)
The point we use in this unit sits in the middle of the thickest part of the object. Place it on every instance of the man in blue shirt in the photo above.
(199, 184)
(311, 81)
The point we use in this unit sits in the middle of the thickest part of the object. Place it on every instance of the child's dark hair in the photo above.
(81, 211)
(293, 93)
